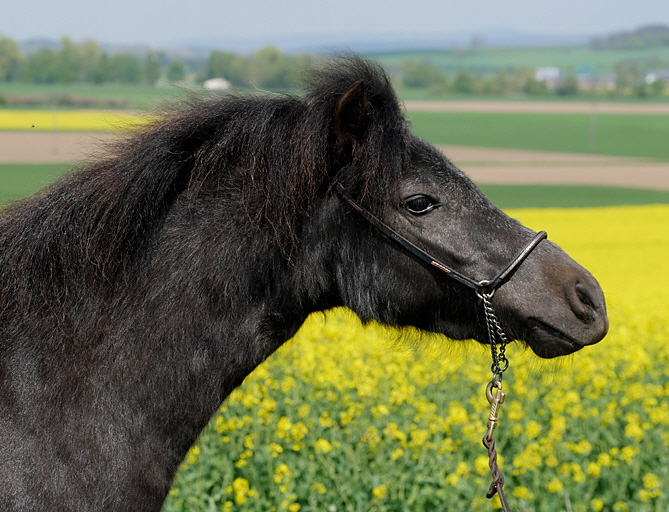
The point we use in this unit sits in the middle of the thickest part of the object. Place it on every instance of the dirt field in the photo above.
(488, 165)
(50, 147)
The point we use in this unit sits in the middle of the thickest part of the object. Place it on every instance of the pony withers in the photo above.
(137, 292)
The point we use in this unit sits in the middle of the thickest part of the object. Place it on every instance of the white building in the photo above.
(217, 84)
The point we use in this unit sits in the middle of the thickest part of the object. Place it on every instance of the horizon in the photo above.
(132, 23)
(357, 43)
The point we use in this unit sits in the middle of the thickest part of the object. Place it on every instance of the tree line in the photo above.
(82, 63)
(423, 75)
(269, 68)
(88, 63)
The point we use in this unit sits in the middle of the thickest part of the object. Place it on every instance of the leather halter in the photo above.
(487, 286)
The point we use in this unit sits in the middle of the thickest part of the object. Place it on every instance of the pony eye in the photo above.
(419, 204)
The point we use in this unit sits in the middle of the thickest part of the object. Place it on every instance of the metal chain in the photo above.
(499, 361)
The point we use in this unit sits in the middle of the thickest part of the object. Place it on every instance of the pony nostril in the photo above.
(584, 296)
(585, 306)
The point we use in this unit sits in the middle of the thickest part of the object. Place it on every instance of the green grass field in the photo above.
(570, 196)
(22, 180)
(92, 95)
(643, 136)
(607, 134)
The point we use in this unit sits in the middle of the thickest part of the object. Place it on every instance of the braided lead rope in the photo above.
(497, 485)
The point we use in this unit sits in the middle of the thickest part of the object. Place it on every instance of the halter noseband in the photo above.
(486, 286)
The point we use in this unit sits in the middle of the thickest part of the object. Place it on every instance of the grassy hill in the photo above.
(492, 60)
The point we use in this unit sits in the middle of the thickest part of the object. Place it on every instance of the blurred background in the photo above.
(544, 85)
(485, 47)
(559, 111)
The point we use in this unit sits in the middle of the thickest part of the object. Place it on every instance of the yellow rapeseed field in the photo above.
(353, 418)
(69, 120)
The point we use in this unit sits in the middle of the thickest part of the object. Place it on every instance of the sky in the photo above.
(170, 22)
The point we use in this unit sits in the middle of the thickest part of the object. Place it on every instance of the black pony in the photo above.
(139, 291)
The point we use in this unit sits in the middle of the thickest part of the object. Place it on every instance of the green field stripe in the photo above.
(21, 180)
(622, 135)
(570, 196)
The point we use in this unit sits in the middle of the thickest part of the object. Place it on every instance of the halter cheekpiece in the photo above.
(486, 286)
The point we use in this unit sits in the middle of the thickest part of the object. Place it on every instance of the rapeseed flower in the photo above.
(555, 485)
(242, 491)
(593, 470)
(523, 493)
(596, 505)
(651, 487)
(380, 491)
(70, 120)
(322, 446)
(533, 429)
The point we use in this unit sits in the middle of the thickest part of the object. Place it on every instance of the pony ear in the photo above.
(352, 118)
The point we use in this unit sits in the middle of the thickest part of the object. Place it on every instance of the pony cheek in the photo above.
(433, 307)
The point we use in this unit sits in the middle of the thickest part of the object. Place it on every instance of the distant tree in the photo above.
(176, 71)
(649, 36)
(477, 42)
(90, 55)
(125, 69)
(535, 87)
(629, 77)
(152, 68)
(464, 82)
(500, 83)
(41, 67)
(656, 88)
(228, 65)
(269, 69)
(69, 62)
(295, 66)
(11, 60)
(568, 85)
(422, 74)
(101, 72)
(220, 64)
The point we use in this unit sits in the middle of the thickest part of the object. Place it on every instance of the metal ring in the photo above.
(483, 284)
(497, 370)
